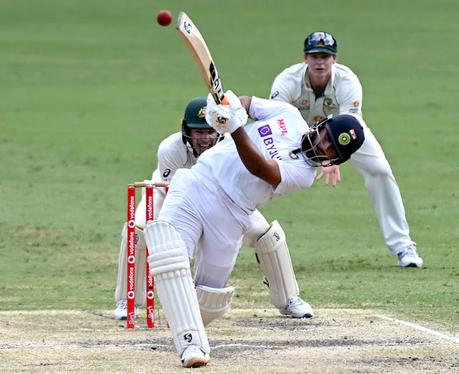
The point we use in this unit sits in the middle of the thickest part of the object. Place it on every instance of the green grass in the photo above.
(88, 89)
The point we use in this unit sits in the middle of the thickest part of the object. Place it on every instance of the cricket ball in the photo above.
(164, 18)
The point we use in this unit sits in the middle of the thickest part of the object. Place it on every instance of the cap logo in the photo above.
(202, 112)
(344, 138)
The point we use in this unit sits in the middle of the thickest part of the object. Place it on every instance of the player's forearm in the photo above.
(253, 160)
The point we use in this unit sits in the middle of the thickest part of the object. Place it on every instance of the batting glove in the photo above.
(226, 118)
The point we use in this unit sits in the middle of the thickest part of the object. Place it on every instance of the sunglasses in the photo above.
(323, 38)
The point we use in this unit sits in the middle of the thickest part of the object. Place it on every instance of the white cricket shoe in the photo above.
(121, 310)
(297, 308)
(193, 356)
(408, 258)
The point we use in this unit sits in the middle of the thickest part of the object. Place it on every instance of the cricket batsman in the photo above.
(181, 150)
(209, 207)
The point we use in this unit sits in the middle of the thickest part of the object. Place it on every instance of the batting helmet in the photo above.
(194, 118)
(344, 132)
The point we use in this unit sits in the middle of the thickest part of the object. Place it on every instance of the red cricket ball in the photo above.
(164, 18)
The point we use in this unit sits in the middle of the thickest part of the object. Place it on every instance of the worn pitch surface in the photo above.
(245, 341)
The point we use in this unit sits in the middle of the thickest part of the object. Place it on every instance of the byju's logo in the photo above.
(265, 131)
(268, 140)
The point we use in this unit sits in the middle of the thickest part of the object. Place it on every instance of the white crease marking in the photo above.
(419, 327)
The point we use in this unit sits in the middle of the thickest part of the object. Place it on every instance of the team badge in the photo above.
(202, 112)
(329, 106)
(344, 138)
(328, 102)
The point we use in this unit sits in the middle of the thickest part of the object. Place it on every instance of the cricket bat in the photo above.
(198, 47)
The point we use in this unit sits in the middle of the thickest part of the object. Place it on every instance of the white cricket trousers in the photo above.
(380, 182)
(209, 222)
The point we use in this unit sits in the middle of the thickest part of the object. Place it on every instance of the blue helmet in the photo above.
(344, 132)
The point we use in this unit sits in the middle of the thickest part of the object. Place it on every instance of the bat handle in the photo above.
(220, 98)
(224, 101)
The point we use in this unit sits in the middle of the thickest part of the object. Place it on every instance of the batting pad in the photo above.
(213, 302)
(276, 264)
(170, 267)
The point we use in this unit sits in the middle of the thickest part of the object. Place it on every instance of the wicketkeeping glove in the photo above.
(226, 118)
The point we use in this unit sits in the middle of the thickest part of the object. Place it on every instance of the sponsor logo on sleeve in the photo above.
(166, 173)
(274, 94)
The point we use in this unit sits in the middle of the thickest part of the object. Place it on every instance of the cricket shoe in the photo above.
(193, 356)
(408, 258)
(297, 308)
(121, 310)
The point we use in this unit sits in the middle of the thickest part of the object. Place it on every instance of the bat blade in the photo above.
(196, 44)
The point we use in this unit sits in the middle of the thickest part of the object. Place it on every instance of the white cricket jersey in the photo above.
(343, 94)
(173, 154)
(276, 133)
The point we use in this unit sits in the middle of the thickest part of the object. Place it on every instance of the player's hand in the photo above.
(226, 118)
(331, 175)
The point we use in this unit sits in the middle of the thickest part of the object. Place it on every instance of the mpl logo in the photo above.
(282, 126)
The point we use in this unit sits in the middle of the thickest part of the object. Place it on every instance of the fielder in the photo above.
(319, 87)
(181, 150)
(208, 208)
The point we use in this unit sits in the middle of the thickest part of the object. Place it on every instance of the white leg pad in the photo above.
(213, 302)
(276, 264)
(170, 267)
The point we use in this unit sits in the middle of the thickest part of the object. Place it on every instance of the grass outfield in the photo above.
(88, 89)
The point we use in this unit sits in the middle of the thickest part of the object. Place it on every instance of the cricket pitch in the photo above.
(244, 341)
